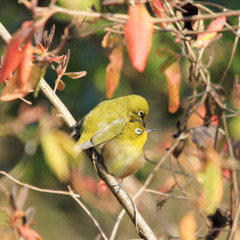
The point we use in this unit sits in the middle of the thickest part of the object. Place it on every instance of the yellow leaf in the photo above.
(55, 153)
(188, 226)
(212, 182)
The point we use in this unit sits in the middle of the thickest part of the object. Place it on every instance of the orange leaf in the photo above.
(25, 67)
(13, 54)
(113, 70)
(173, 77)
(188, 226)
(203, 39)
(75, 75)
(138, 32)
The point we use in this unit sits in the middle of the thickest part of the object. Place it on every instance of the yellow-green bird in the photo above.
(123, 155)
(108, 119)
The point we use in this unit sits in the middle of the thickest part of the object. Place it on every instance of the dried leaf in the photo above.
(113, 70)
(110, 40)
(204, 136)
(188, 226)
(75, 75)
(173, 77)
(62, 66)
(212, 182)
(138, 32)
(13, 91)
(203, 39)
(60, 84)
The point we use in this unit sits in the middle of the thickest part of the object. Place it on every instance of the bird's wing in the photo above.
(110, 131)
(105, 134)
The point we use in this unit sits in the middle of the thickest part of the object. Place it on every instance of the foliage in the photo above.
(178, 52)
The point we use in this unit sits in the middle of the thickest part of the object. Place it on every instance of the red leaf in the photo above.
(90, 184)
(11, 59)
(102, 186)
(159, 10)
(113, 71)
(25, 67)
(28, 233)
(215, 26)
(173, 76)
(13, 54)
(138, 32)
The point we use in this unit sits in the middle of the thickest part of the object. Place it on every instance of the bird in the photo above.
(107, 120)
(123, 155)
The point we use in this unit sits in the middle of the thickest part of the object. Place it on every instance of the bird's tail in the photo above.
(75, 134)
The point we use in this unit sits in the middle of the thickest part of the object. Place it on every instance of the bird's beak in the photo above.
(150, 129)
(144, 123)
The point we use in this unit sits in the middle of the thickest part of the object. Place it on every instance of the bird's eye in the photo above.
(138, 131)
(141, 114)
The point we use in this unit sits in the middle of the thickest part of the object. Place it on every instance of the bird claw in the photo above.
(118, 186)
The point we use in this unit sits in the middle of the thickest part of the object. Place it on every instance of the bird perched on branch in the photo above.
(123, 155)
(107, 120)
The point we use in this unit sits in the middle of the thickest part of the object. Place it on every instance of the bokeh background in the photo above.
(59, 217)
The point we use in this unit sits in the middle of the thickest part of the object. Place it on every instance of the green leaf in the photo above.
(163, 52)
(168, 62)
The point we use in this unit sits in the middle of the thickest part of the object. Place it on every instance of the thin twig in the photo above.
(37, 188)
(232, 54)
(72, 194)
(234, 224)
(167, 195)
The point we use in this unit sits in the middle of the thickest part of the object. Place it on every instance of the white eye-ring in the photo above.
(138, 131)
(141, 114)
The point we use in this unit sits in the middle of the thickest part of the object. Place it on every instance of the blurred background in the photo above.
(59, 217)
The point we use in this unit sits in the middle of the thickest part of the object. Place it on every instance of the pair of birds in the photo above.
(118, 126)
